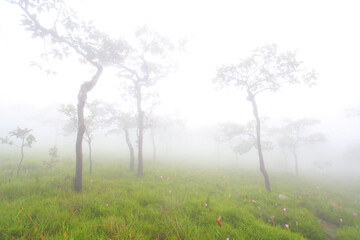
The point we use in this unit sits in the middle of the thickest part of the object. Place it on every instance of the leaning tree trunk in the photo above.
(296, 162)
(140, 172)
(84, 89)
(251, 98)
(131, 149)
(22, 158)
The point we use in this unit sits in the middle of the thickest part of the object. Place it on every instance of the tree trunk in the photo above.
(82, 96)
(90, 157)
(153, 144)
(22, 157)
(251, 98)
(296, 162)
(131, 149)
(140, 133)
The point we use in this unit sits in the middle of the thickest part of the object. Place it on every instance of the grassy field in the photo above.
(172, 203)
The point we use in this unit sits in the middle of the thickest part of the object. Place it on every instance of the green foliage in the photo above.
(169, 204)
(26, 138)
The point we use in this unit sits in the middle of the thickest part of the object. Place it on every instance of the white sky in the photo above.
(326, 34)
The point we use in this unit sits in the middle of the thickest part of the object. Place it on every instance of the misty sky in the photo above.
(325, 33)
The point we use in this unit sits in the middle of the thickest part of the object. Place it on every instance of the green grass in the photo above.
(169, 203)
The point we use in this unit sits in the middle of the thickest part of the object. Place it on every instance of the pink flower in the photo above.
(227, 238)
(91, 181)
(333, 204)
(287, 226)
(107, 205)
(297, 223)
(354, 214)
(253, 201)
(205, 204)
(341, 220)
(284, 209)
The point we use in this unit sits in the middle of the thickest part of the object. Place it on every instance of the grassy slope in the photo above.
(169, 203)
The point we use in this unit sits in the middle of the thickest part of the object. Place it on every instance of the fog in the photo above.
(217, 33)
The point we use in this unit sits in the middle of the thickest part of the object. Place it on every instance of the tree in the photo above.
(264, 70)
(293, 136)
(242, 138)
(145, 65)
(157, 123)
(93, 120)
(66, 34)
(53, 153)
(26, 140)
(123, 121)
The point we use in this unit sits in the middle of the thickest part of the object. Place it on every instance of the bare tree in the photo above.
(264, 70)
(293, 136)
(66, 34)
(26, 140)
(146, 64)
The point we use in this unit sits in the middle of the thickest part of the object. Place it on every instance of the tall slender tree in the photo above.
(145, 65)
(265, 70)
(66, 34)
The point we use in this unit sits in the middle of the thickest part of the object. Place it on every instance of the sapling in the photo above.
(24, 137)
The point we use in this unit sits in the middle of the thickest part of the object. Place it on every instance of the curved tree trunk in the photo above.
(140, 133)
(82, 96)
(251, 98)
(131, 149)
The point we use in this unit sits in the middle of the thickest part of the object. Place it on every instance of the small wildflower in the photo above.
(284, 209)
(354, 214)
(341, 220)
(229, 195)
(333, 204)
(227, 238)
(253, 201)
(91, 180)
(21, 208)
(107, 205)
(219, 221)
(287, 226)
(206, 205)
(297, 223)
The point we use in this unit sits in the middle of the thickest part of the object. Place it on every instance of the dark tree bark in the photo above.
(251, 98)
(140, 172)
(84, 89)
(131, 149)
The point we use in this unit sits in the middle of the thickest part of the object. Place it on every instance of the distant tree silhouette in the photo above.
(25, 138)
(265, 70)
(293, 136)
